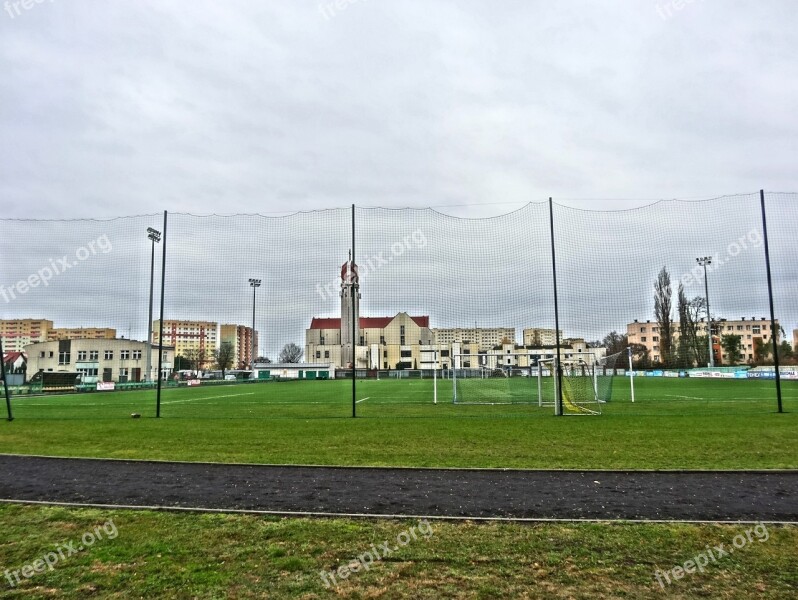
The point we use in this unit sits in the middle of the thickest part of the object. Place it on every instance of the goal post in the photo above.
(494, 379)
(587, 384)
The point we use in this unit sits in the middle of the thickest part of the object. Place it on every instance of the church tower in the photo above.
(350, 292)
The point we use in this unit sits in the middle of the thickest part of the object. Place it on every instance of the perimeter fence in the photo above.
(376, 312)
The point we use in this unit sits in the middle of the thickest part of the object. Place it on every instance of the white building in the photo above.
(121, 361)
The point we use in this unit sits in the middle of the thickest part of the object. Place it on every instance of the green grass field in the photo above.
(674, 424)
(161, 555)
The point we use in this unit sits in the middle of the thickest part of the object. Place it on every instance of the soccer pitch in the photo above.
(674, 424)
(397, 398)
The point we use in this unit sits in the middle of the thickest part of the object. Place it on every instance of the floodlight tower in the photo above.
(155, 237)
(255, 284)
(705, 261)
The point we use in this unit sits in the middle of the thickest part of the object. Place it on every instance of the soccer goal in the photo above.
(586, 384)
(492, 379)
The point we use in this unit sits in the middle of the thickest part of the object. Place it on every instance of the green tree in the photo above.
(663, 306)
(224, 356)
(733, 347)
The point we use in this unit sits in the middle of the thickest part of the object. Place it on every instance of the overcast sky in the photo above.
(113, 108)
(475, 108)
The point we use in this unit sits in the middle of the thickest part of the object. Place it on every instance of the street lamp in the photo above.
(255, 283)
(155, 237)
(704, 262)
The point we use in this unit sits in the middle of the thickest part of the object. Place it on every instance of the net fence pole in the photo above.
(558, 398)
(774, 331)
(160, 325)
(631, 375)
(354, 323)
(5, 380)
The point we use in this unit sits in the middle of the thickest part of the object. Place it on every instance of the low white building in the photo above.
(308, 371)
(97, 360)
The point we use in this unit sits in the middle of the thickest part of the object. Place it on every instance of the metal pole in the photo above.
(774, 332)
(709, 318)
(5, 381)
(558, 399)
(435, 377)
(148, 362)
(160, 325)
(631, 374)
(252, 334)
(354, 323)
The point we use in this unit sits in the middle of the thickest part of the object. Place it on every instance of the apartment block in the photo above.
(18, 333)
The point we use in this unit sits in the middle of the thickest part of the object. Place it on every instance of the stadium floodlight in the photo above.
(705, 261)
(255, 284)
(155, 238)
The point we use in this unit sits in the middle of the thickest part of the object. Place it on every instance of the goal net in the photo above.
(493, 379)
(586, 383)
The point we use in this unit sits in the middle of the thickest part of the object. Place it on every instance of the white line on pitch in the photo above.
(208, 398)
(363, 400)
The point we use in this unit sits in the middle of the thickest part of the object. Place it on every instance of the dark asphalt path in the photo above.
(438, 492)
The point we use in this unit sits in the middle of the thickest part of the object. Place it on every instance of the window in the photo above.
(385, 354)
(382, 340)
(52, 354)
(81, 355)
(318, 353)
(740, 328)
(41, 354)
(64, 358)
(757, 330)
(109, 355)
(406, 353)
(655, 338)
(326, 354)
(467, 364)
(321, 341)
(643, 339)
(642, 330)
(124, 354)
(444, 353)
(136, 354)
(124, 373)
(94, 355)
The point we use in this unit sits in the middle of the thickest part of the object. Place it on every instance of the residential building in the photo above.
(795, 339)
(105, 360)
(241, 338)
(81, 333)
(18, 333)
(537, 337)
(484, 337)
(191, 339)
(750, 330)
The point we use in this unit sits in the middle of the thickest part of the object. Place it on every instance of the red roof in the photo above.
(11, 357)
(365, 322)
(325, 323)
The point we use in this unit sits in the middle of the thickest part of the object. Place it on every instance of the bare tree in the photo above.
(663, 305)
(291, 353)
(224, 356)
